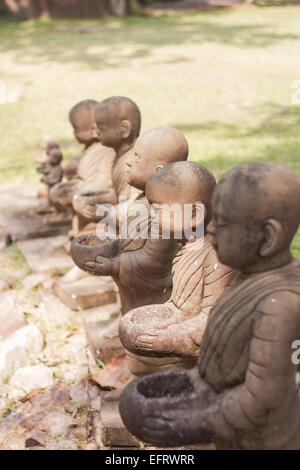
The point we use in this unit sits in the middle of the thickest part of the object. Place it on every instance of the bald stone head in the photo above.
(256, 210)
(118, 120)
(181, 191)
(51, 144)
(82, 119)
(55, 156)
(153, 150)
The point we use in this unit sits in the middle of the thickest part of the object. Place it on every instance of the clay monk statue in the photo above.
(93, 167)
(51, 170)
(243, 392)
(118, 122)
(169, 335)
(140, 265)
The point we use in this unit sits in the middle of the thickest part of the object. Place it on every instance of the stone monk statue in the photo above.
(169, 335)
(243, 393)
(91, 169)
(117, 126)
(140, 265)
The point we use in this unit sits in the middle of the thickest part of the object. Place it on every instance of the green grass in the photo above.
(223, 77)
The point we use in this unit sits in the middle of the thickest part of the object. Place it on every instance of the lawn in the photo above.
(222, 77)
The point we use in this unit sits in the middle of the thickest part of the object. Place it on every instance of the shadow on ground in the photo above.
(100, 44)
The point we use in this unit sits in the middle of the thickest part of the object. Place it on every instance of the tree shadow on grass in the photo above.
(277, 121)
(281, 124)
(112, 44)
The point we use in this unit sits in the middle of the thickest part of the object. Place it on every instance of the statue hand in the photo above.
(167, 424)
(83, 206)
(100, 267)
(159, 341)
(88, 211)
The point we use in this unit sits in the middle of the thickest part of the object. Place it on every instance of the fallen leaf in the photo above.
(116, 373)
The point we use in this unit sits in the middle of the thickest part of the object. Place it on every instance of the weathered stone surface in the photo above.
(27, 379)
(21, 198)
(46, 254)
(83, 390)
(113, 432)
(13, 441)
(12, 356)
(101, 313)
(41, 404)
(103, 340)
(31, 337)
(25, 225)
(36, 438)
(16, 350)
(62, 444)
(11, 318)
(90, 446)
(85, 293)
(34, 280)
(56, 424)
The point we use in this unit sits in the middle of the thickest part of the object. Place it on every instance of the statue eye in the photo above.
(221, 223)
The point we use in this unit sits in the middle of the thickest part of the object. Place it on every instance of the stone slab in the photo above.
(114, 434)
(113, 431)
(46, 254)
(27, 379)
(85, 293)
(24, 225)
(20, 198)
(17, 348)
(102, 344)
(11, 318)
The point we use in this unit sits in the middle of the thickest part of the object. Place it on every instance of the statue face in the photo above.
(140, 167)
(108, 128)
(175, 218)
(83, 132)
(236, 235)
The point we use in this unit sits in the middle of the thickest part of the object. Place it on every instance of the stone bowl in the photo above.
(88, 246)
(152, 394)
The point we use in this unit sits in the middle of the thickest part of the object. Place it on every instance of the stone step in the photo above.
(46, 254)
(89, 292)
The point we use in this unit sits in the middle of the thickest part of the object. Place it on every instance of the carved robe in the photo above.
(246, 357)
(198, 280)
(94, 171)
(126, 193)
(145, 263)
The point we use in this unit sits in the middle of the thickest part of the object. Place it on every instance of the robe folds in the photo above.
(246, 358)
(198, 280)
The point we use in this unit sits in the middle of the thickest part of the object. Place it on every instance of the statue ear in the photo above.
(199, 214)
(273, 238)
(157, 168)
(126, 128)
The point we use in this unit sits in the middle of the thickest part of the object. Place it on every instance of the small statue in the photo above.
(52, 171)
(169, 335)
(51, 167)
(122, 126)
(92, 168)
(243, 393)
(140, 265)
(118, 122)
